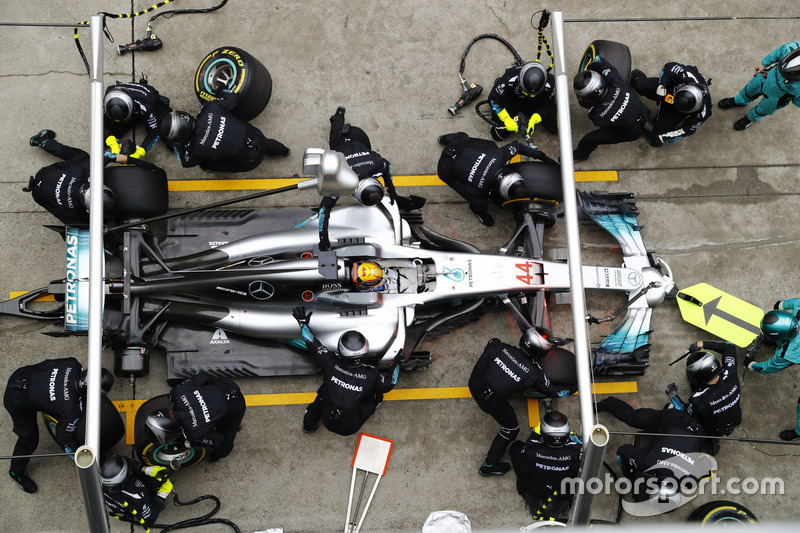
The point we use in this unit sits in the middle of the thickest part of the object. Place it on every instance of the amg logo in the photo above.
(219, 337)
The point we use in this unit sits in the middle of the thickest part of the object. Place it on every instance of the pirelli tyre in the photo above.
(138, 191)
(154, 453)
(722, 513)
(615, 53)
(234, 69)
(112, 428)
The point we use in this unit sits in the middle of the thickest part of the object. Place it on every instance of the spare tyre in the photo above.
(618, 54)
(234, 69)
(722, 513)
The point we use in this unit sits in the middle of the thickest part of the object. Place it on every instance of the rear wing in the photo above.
(76, 286)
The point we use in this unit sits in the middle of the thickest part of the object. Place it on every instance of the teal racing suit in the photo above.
(776, 92)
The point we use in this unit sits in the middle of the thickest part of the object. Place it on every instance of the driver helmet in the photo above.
(535, 342)
(113, 471)
(510, 185)
(106, 380)
(367, 274)
(532, 78)
(589, 86)
(369, 192)
(353, 346)
(789, 66)
(779, 325)
(702, 367)
(86, 197)
(554, 429)
(689, 98)
(178, 127)
(118, 105)
(164, 426)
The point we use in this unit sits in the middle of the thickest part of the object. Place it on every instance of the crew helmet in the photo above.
(510, 185)
(535, 342)
(106, 380)
(689, 98)
(368, 192)
(86, 197)
(178, 127)
(702, 367)
(779, 325)
(589, 86)
(554, 429)
(163, 425)
(118, 105)
(368, 274)
(353, 346)
(789, 66)
(532, 78)
(113, 471)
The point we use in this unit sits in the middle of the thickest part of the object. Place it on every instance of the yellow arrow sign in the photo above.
(720, 313)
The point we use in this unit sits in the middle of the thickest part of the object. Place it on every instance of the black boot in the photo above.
(27, 484)
(727, 103)
(340, 111)
(742, 124)
(494, 470)
(789, 434)
(40, 138)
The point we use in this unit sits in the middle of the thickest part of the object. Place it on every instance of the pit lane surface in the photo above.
(719, 207)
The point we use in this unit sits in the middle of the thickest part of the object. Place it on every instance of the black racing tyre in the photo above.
(112, 428)
(236, 70)
(156, 454)
(722, 513)
(542, 180)
(138, 192)
(559, 366)
(615, 53)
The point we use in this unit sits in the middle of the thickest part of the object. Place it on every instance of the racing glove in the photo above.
(694, 347)
(510, 123)
(139, 152)
(159, 473)
(534, 120)
(110, 156)
(164, 489)
(299, 314)
(753, 366)
(661, 90)
(113, 144)
(777, 304)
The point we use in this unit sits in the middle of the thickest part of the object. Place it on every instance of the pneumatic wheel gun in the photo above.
(471, 92)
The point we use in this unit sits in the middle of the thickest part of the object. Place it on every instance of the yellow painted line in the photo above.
(423, 180)
(438, 393)
(533, 413)
(292, 398)
(129, 407)
(42, 298)
(618, 387)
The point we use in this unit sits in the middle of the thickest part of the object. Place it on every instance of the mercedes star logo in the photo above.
(261, 290)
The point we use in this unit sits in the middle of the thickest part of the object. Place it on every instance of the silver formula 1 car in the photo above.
(217, 292)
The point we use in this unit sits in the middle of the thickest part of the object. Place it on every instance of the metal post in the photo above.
(86, 456)
(89, 474)
(581, 334)
(594, 451)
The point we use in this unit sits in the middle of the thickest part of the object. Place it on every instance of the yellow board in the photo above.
(720, 313)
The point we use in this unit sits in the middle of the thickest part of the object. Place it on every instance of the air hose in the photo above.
(199, 521)
(149, 42)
